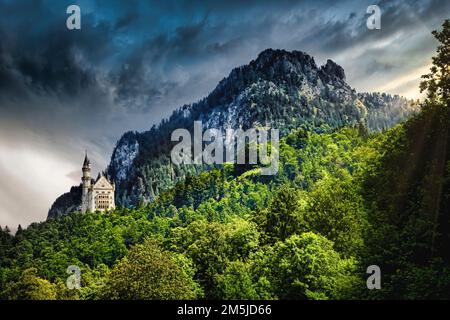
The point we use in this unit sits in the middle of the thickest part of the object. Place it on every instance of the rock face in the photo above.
(123, 155)
(278, 89)
(67, 203)
(332, 71)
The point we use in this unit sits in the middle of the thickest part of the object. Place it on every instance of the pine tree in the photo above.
(437, 82)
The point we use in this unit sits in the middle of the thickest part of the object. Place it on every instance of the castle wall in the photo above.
(102, 195)
(97, 196)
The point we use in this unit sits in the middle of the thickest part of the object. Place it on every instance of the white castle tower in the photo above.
(86, 184)
(96, 194)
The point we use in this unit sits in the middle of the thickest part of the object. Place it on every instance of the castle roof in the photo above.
(103, 182)
(86, 162)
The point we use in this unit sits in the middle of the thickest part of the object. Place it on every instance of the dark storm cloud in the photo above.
(56, 59)
(53, 60)
(146, 76)
(126, 20)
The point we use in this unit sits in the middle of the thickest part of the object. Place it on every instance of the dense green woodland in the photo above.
(343, 199)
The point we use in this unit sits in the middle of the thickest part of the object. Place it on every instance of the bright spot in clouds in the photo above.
(32, 178)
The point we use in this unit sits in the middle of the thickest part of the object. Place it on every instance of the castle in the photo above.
(96, 194)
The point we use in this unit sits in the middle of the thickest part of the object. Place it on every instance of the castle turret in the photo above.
(86, 184)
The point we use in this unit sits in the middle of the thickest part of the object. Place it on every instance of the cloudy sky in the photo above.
(133, 62)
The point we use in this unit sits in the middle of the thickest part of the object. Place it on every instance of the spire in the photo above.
(87, 162)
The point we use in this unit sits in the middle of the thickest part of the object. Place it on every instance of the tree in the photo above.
(408, 195)
(437, 82)
(212, 245)
(282, 217)
(306, 267)
(30, 287)
(362, 130)
(236, 282)
(19, 230)
(335, 209)
(148, 272)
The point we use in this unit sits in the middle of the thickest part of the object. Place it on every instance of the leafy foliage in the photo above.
(158, 273)
(343, 199)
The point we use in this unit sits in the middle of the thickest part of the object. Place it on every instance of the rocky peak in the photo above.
(277, 66)
(271, 57)
(333, 71)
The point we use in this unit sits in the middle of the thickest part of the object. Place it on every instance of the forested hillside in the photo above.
(309, 232)
(229, 235)
(343, 199)
(279, 89)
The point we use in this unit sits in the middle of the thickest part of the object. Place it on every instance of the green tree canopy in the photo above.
(30, 287)
(307, 267)
(149, 272)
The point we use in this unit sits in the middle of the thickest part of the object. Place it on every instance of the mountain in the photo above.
(66, 203)
(344, 201)
(279, 89)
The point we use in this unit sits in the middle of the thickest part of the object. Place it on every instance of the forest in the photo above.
(343, 199)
